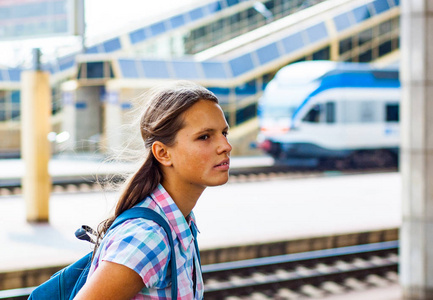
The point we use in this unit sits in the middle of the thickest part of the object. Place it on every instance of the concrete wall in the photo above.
(88, 115)
(416, 68)
(82, 116)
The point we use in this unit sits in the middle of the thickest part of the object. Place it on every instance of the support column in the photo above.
(35, 147)
(69, 119)
(81, 116)
(88, 117)
(113, 122)
(416, 73)
(232, 108)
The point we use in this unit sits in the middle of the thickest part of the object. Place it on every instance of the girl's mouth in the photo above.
(225, 165)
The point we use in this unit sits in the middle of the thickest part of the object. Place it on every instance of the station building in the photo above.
(232, 47)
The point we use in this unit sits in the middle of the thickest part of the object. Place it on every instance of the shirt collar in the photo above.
(174, 216)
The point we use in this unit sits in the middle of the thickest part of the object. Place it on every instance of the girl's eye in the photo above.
(225, 133)
(204, 137)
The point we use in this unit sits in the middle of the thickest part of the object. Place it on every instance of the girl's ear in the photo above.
(160, 152)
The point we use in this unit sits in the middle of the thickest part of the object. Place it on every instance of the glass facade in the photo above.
(102, 70)
(34, 19)
(371, 43)
(10, 104)
(241, 22)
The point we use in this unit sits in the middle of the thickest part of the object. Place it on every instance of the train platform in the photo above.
(238, 213)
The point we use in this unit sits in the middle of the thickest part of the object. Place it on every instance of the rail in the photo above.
(16, 294)
(270, 275)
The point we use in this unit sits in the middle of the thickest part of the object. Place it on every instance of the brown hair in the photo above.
(160, 121)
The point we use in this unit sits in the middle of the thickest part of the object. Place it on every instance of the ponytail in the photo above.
(136, 188)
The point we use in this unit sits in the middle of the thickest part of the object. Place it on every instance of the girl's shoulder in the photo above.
(139, 234)
(138, 231)
(141, 245)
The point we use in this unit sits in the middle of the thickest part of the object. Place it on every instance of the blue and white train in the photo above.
(336, 114)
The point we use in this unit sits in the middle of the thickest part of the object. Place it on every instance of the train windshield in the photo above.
(276, 112)
(282, 101)
(305, 73)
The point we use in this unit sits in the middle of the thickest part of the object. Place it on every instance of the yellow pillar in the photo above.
(334, 54)
(35, 147)
(232, 108)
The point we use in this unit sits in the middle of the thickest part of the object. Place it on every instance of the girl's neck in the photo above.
(184, 198)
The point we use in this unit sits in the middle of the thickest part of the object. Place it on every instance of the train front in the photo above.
(279, 135)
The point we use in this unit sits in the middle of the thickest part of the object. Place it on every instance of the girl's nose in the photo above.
(225, 146)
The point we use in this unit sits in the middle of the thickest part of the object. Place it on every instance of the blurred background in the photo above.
(311, 91)
(234, 49)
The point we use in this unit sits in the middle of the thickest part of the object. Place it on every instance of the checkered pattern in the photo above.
(143, 246)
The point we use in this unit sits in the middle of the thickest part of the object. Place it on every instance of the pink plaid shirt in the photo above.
(142, 245)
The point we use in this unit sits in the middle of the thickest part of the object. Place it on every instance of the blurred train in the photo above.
(331, 114)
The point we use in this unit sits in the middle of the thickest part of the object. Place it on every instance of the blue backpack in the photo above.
(65, 284)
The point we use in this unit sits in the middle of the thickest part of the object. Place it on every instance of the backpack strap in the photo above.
(149, 214)
(194, 234)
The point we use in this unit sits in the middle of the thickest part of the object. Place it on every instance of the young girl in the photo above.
(185, 136)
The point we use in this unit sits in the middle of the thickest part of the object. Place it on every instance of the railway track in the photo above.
(306, 275)
(87, 183)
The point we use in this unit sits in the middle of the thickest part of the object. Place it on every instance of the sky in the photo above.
(103, 17)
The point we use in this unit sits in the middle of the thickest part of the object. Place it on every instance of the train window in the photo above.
(313, 115)
(276, 112)
(367, 112)
(392, 113)
(330, 112)
(361, 112)
(321, 113)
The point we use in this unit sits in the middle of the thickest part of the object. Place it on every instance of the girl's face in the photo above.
(200, 155)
